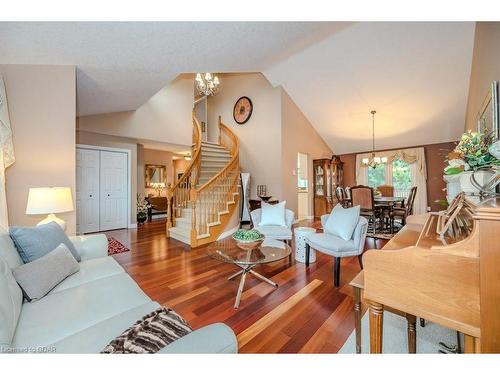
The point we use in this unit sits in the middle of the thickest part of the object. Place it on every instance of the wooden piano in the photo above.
(447, 274)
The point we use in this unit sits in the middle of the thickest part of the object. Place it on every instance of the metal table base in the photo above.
(243, 272)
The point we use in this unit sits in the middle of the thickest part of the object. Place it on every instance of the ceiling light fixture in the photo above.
(374, 161)
(207, 84)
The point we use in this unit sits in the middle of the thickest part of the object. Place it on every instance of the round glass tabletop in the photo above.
(227, 250)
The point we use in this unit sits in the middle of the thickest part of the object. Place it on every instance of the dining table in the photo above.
(388, 203)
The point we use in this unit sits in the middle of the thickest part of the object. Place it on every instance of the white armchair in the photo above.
(337, 247)
(274, 232)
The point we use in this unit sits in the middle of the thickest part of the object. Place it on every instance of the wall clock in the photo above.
(242, 110)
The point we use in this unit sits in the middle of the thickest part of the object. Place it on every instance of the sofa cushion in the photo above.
(331, 245)
(39, 277)
(11, 299)
(8, 251)
(95, 338)
(34, 242)
(342, 221)
(62, 314)
(275, 232)
(90, 270)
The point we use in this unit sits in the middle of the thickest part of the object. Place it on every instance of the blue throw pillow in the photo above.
(35, 242)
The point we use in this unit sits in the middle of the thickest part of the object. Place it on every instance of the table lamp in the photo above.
(51, 201)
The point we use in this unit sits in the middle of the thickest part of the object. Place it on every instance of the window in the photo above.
(376, 176)
(401, 178)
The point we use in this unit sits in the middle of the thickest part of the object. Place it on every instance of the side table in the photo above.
(300, 244)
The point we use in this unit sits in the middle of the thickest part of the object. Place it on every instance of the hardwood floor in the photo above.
(306, 314)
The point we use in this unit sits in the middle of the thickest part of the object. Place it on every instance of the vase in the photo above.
(481, 176)
(141, 217)
(452, 186)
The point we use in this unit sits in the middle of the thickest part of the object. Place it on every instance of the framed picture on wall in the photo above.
(487, 117)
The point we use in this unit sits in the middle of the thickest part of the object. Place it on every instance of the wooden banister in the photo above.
(212, 203)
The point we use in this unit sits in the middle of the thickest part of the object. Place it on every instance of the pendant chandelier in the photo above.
(207, 84)
(374, 161)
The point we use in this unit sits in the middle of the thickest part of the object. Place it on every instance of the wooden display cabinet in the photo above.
(328, 174)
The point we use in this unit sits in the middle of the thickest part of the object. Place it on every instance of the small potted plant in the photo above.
(248, 239)
(142, 209)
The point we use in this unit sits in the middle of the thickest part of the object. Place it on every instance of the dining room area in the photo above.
(388, 185)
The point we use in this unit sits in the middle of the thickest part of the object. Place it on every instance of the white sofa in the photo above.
(88, 309)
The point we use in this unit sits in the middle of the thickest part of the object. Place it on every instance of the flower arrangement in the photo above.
(470, 153)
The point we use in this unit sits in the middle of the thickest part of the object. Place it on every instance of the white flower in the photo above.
(457, 163)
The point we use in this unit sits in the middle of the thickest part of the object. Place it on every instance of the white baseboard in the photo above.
(228, 232)
(132, 226)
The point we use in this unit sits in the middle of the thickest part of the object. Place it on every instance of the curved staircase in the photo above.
(207, 194)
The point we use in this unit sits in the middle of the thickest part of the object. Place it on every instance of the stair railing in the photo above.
(179, 196)
(212, 198)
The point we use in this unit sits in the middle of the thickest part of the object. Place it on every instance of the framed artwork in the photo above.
(242, 110)
(487, 117)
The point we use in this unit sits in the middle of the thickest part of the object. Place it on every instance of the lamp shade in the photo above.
(49, 200)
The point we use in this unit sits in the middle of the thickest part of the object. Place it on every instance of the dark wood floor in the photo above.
(306, 314)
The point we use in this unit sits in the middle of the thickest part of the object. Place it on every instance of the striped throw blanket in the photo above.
(151, 333)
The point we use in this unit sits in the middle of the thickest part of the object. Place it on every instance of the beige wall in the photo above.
(102, 140)
(166, 117)
(157, 157)
(42, 107)
(260, 137)
(485, 68)
(180, 165)
(298, 135)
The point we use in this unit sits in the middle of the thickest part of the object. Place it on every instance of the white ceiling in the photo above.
(120, 65)
(416, 75)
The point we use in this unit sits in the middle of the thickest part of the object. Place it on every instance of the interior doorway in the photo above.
(303, 191)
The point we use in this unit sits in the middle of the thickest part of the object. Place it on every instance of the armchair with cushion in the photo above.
(337, 247)
(275, 232)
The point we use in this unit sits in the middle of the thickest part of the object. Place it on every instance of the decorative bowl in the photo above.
(265, 198)
(250, 243)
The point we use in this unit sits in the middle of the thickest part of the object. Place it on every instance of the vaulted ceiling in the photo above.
(120, 65)
(416, 75)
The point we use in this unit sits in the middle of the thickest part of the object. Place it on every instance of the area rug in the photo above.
(116, 247)
(395, 336)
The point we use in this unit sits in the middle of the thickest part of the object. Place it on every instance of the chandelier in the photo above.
(207, 84)
(373, 161)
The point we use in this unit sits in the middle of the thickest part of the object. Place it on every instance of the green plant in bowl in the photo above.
(248, 239)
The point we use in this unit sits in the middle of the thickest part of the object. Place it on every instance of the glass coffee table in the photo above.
(228, 251)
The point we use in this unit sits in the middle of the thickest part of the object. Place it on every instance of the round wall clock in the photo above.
(242, 110)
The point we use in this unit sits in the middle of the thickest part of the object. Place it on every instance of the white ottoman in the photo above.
(300, 244)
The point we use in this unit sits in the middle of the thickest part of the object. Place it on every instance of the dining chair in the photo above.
(362, 196)
(341, 195)
(386, 190)
(347, 190)
(407, 210)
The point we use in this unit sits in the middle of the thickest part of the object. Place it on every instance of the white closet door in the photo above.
(113, 190)
(87, 190)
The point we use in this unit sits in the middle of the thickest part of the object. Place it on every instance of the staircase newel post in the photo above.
(192, 198)
(170, 195)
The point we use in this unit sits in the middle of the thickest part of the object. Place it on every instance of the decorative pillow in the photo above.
(342, 222)
(34, 242)
(39, 277)
(150, 334)
(273, 214)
